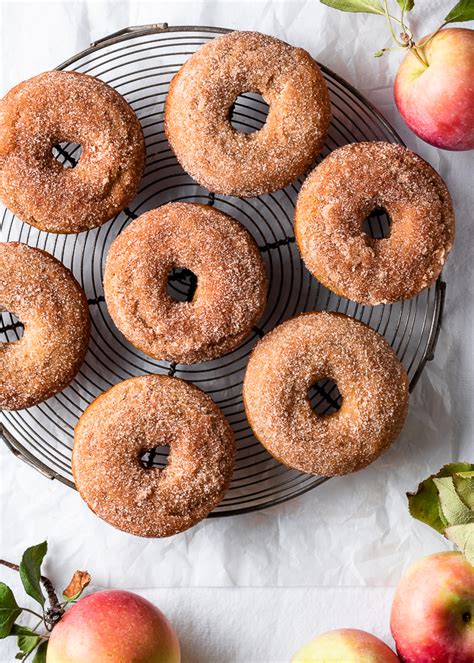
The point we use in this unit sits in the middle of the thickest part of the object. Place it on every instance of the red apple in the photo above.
(433, 611)
(348, 645)
(113, 627)
(437, 101)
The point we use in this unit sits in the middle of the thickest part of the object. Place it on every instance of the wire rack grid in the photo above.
(140, 62)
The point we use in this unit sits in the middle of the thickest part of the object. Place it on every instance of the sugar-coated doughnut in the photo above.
(202, 93)
(295, 356)
(47, 299)
(138, 415)
(342, 191)
(231, 283)
(60, 106)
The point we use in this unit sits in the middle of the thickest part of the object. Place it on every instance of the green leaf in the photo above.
(30, 571)
(40, 656)
(425, 504)
(453, 509)
(406, 5)
(464, 484)
(463, 537)
(463, 11)
(366, 6)
(378, 54)
(19, 629)
(9, 610)
(26, 643)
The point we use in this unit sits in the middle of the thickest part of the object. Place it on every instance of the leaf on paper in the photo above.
(463, 537)
(9, 610)
(452, 507)
(425, 504)
(40, 656)
(464, 484)
(26, 643)
(366, 6)
(462, 11)
(30, 571)
(406, 5)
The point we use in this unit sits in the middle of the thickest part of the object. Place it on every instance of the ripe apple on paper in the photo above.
(432, 617)
(434, 87)
(113, 626)
(345, 645)
(436, 99)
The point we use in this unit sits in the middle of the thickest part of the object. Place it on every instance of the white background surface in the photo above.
(253, 588)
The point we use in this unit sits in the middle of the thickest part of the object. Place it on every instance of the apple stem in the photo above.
(55, 611)
(415, 50)
(389, 21)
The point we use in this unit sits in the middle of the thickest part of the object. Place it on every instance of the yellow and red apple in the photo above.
(113, 627)
(348, 645)
(436, 99)
(432, 617)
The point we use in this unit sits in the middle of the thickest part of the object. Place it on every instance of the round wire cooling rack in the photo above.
(140, 62)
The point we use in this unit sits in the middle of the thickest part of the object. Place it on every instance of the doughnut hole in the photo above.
(156, 457)
(325, 397)
(377, 224)
(248, 113)
(11, 328)
(182, 284)
(67, 154)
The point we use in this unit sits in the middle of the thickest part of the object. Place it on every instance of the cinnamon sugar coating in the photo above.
(231, 282)
(201, 95)
(60, 106)
(136, 416)
(342, 191)
(299, 353)
(47, 299)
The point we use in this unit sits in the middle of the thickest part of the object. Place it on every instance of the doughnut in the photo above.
(231, 283)
(200, 99)
(134, 417)
(60, 106)
(338, 196)
(46, 298)
(296, 355)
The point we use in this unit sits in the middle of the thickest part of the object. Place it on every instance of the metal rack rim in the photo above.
(307, 482)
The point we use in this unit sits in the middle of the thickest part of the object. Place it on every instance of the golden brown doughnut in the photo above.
(200, 97)
(47, 299)
(138, 415)
(60, 106)
(342, 191)
(231, 283)
(299, 353)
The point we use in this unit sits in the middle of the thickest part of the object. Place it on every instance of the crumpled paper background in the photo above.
(353, 531)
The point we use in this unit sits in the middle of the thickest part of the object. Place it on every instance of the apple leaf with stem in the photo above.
(27, 643)
(35, 640)
(445, 501)
(462, 11)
